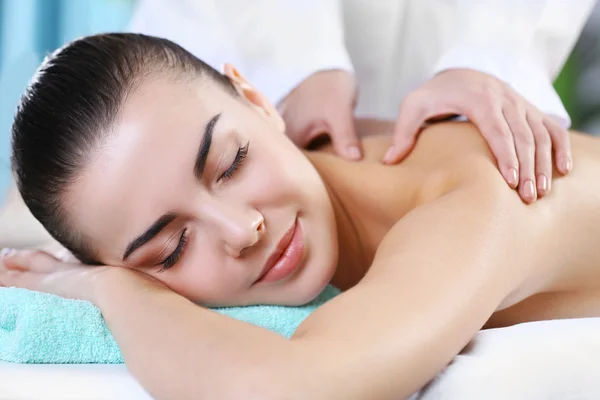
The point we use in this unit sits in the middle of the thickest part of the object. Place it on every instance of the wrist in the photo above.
(522, 70)
(110, 285)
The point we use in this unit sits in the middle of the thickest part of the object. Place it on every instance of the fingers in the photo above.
(410, 118)
(340, 129)
(337, 123)
(324, 104)
(29, 260)
(561, 143)
(344, 139)
(310, 133)
(301, 134)
(497, 133)
(11, 278)
(543, 153)
(20, 268)
(516, 118)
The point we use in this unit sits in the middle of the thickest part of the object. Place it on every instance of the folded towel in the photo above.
(42, 328)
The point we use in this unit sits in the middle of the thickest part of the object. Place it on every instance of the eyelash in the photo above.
(171, 260)
(237, 162)
(174, 257)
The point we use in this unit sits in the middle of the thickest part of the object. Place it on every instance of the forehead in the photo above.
(142, 164)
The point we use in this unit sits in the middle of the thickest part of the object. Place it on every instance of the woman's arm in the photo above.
(437, 277)
(178, 350)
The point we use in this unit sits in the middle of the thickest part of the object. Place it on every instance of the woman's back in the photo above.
(557, 234)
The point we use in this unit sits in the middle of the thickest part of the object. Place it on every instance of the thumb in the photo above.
(405, 133)
(344, 138)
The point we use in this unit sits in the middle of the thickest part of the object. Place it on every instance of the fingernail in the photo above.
(542, 182)
(568, 164)
(529, 190)
(7, 252)
(513, 178)
(388, 155)
(353, 153)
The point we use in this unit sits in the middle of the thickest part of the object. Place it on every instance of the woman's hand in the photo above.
(520, 136)
(39, 271)
(323, 104)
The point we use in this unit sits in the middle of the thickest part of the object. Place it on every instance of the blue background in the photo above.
(29, 29)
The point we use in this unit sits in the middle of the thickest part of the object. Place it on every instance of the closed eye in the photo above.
(237, 163)
(172, 259)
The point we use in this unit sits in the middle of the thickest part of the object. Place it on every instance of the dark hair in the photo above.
(69, 108)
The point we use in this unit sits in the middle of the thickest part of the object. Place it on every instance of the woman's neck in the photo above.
(368, 198)
(354, 258)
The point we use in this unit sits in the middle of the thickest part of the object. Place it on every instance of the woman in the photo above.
(134, 154)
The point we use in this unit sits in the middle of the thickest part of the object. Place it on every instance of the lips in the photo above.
(286, 256)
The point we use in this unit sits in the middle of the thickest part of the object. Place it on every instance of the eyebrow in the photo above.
(150, 233)
(166, 219)
(205, 146)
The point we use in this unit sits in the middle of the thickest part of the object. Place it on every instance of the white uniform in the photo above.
(393, 46)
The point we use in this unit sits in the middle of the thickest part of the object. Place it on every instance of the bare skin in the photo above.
(439, 242)
(365, 216)
(561, 229)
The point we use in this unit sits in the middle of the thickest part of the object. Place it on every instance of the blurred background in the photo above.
(29, 29)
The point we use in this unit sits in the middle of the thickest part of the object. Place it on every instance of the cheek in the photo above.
(204, 275)
(282, 174)
(264, 183)
(192, 273)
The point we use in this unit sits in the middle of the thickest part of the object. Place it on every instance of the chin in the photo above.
(307, 287)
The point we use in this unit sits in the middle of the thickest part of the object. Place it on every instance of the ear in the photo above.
(252, 95)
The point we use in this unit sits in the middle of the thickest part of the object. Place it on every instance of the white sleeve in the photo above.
(193, 24)
(523, 42)
(275, 43)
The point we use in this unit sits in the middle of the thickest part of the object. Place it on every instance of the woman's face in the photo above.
(204, 192)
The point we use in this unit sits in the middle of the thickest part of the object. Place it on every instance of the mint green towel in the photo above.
(41, 328)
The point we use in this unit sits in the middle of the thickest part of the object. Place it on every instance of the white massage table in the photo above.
(534, 361)
(547, 360)
(68, 382)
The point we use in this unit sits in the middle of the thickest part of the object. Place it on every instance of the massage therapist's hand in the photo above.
(521, 137)
(39, 271)
(323, 103)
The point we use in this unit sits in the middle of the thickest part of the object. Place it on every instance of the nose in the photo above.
(239, 228)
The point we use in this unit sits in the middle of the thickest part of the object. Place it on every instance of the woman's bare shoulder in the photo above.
(445, 142)
(446, 155)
